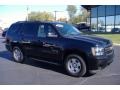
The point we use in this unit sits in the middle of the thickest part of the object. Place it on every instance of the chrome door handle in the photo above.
(48, 45)
(26, 42)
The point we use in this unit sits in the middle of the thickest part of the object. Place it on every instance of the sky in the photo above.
(13, 13)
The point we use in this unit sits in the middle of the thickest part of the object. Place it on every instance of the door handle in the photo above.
(25, 42)
(48, 45)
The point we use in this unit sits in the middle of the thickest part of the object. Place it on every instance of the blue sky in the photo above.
(13, 9)
(4, 9)
(13, 13)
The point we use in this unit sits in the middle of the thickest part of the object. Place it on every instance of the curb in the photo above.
(116, 44)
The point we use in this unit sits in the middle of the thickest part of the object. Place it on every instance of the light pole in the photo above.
(27, 13)
(56, 14)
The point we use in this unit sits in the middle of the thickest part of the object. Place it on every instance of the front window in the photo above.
(66, 29)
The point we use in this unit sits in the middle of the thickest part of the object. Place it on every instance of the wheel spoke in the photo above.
(70, 65)
(77, 69)
(73, 60)
(74, 65)
(78, 64)
(18, 55)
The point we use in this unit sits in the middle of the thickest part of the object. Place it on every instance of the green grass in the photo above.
(114, 37)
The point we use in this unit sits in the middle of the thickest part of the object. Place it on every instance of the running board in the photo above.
(46, 61)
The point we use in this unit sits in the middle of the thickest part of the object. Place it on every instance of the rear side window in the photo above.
(30, 29)
(41, 31)
(14, 28)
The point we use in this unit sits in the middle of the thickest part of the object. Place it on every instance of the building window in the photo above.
(101, 11)
(105, 18)
(94, 12)
(109, 23)
(110, 10)
(117, 23)
(101, 24)
(117, 9)
(94, 24)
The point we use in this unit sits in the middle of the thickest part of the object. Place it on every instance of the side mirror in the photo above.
(52, 35)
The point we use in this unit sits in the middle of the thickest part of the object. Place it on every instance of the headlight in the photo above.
(97, 51)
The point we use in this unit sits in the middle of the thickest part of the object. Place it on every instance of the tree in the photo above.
(62, 19)
(71, 11)
(40, 16)
(81, 17)
(85, 14)
(76, 19)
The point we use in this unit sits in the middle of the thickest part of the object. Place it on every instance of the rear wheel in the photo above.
(18, 55)
(75, 65)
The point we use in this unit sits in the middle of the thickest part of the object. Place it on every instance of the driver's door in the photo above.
(50, 43)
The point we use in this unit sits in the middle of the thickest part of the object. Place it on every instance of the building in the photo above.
(104, 18)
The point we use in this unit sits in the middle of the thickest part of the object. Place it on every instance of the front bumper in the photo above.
(8, 47)
(96, 63)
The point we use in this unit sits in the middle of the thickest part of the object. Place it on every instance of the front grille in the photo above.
(109, 50)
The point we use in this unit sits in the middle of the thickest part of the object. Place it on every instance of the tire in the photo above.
(75, 65)
(18, 55)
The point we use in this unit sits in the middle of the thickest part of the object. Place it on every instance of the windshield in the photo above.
(67, 29)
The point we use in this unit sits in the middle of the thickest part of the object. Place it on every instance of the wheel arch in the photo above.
(16, 45)
(76, 52)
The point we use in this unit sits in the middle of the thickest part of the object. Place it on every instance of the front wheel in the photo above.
(75, 65)
(18, 55)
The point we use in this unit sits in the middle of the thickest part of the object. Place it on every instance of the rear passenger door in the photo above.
(29, 38)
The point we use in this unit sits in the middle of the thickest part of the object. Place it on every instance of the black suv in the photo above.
(59, 43)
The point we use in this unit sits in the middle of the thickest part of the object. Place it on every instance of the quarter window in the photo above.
(14, 28)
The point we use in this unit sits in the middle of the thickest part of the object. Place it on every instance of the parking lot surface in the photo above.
(39, 73)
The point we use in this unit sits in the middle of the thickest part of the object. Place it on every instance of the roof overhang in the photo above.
(88, 7)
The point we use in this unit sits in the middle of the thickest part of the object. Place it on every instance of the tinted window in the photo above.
(41, 31)
(101, 11)
(118, 9)
(110, 10)
(94, 12)
(30, 29)
(14, 28)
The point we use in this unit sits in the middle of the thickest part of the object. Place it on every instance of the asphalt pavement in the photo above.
(33, 72)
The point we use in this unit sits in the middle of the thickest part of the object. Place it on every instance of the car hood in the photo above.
(91, 39)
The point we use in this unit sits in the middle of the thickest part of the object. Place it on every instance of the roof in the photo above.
(38, 22)
(88, 7)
